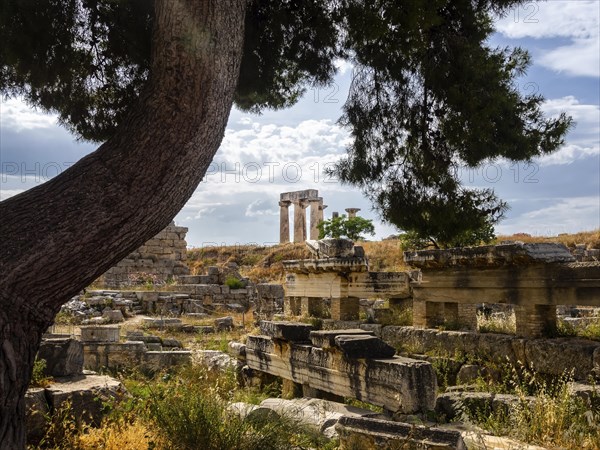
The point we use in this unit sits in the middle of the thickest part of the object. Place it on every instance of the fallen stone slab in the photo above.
(357, 346)
(224, 323)
(100, 333)
(237, 350)
(63, 356)
(321, 415)
(287, 331)
(326, 338)
(87, 395)
(216, 360)
(364, 432)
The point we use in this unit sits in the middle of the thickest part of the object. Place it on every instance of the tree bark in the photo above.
(60, 236)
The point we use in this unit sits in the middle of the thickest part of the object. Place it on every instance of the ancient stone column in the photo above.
(284, 221)
(300, 220)
(321, 213)
(352, 212)
(315, 204)
(335, 214)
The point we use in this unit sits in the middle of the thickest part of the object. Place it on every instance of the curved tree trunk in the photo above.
(57, 238)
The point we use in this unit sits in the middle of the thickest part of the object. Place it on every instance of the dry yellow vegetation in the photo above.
(265, 264)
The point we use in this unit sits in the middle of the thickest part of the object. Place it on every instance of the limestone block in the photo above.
(321, 415)
(188, 279)
(399, 384)
(331, 248)
(224, 323)
(36, 406)
(171, 342)
(326, 338)
(364, 432)
(357, 346)
(287, 331)
(63, 357)
(490, 255)
(216, 360)
(553, 356)
(469, 373)
(86, 394)
(374, 328)
(113, 315)
(237, 350)
(100, 333)
(330, 324)
(147, 295)
(148, 339)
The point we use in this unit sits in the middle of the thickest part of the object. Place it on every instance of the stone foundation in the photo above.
(396, 383)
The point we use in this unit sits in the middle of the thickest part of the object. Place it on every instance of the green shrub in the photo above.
(38, 375)
(234, 283)
(191, 413)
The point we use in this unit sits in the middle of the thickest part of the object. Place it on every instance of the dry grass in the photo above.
(259, 263)
(385, 256)
(120, 435)
(264, 264)
(590, 238)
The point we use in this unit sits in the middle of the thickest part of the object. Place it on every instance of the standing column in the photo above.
(284, 221)
(321, 213)
(352, 212)
(315, 204)
(300, 221)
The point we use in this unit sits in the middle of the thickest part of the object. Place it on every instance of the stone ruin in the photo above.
(339, 277)
(448, 285)
(533, 278)
(301, 200)
(158, 261)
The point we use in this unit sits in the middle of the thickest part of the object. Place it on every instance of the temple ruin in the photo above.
(301, 200)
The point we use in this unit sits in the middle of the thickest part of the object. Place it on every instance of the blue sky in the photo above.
(262, 156)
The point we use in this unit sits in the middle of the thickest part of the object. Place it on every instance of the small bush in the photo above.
(38, 375)
(234, 283)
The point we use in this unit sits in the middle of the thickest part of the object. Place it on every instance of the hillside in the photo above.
(264, 264)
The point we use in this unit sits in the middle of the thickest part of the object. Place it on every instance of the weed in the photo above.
(501, 323)
(554, 417)
(234, 283)
(38, 375)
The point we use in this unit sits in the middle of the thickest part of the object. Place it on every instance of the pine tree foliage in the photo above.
(429, 94)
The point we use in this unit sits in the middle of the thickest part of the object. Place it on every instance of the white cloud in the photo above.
(7, 193)
(575, 20)
(261, 208)
(580, 58)
(584, 139)
(565, 216)
(18, 116)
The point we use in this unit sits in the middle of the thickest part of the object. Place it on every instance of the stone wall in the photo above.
(156, 262)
